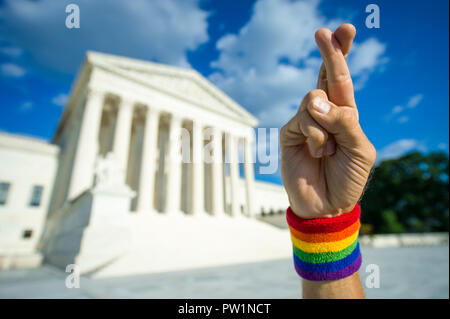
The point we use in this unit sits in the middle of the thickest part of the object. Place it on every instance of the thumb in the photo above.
(341, 121)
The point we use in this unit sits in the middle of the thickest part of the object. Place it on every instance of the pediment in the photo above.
(187, 88)
(184, 83)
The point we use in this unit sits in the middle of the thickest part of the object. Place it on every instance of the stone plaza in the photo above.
(405, 272)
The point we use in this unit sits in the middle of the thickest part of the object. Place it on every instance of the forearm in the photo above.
(345, 288)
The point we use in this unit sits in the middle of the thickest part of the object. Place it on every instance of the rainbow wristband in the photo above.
(325, 248)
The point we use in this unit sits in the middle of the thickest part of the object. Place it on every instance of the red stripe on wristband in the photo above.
(323, 225)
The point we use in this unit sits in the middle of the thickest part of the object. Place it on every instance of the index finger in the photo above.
(340, 85)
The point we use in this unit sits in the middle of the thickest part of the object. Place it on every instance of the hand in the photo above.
(326, 158)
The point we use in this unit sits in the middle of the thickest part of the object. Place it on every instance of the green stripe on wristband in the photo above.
(324, 257)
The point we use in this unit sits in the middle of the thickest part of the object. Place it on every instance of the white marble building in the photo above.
(109, 184)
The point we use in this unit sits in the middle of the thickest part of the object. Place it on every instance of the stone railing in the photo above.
(396, 240)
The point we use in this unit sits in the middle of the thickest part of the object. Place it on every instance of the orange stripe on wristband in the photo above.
(326, 237)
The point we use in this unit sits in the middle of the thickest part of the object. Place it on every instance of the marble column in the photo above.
(122, 134)
(82, 176)
(197, 179)
(249, 176)
(217, 174)
(234, 174)
(148, 162)
(173, 190)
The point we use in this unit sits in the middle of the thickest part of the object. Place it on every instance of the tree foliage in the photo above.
(408, 194)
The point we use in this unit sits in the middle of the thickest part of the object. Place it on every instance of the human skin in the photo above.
(326, 158)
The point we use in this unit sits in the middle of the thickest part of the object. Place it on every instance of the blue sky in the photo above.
(262, 53)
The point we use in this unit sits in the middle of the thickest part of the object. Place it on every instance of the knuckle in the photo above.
(303, 117)
(302, 114)
(341, 78)
(318, 136)
(347, 119)
(313, 93)
(311, 129)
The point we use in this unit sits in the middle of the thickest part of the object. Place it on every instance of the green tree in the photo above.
(408, 194)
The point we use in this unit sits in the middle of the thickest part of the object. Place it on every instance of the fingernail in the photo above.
(320, 105)
(319, 153)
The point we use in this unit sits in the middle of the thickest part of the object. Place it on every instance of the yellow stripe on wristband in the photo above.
(331, 246)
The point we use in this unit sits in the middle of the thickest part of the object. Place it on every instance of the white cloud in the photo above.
(399, 148)
(366, 56)
(160, 30)
(277, 29)
(13, 52)
(397, 109)
(272, 98)
(415, 100)
(249, 67)
(403, 119)
(11, 69)
(442, 146)
(61, 99)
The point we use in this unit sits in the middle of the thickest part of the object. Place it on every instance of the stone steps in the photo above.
(162, 243)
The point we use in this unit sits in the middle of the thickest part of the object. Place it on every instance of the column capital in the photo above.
(152, 110)
(231, 136)
(92, 92)
(216, 130)
(198, 123)
(126, 101)
(176, 119)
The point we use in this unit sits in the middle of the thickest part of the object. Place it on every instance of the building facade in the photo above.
(136, 139)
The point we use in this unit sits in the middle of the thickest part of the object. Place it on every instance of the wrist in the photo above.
(314, 214)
